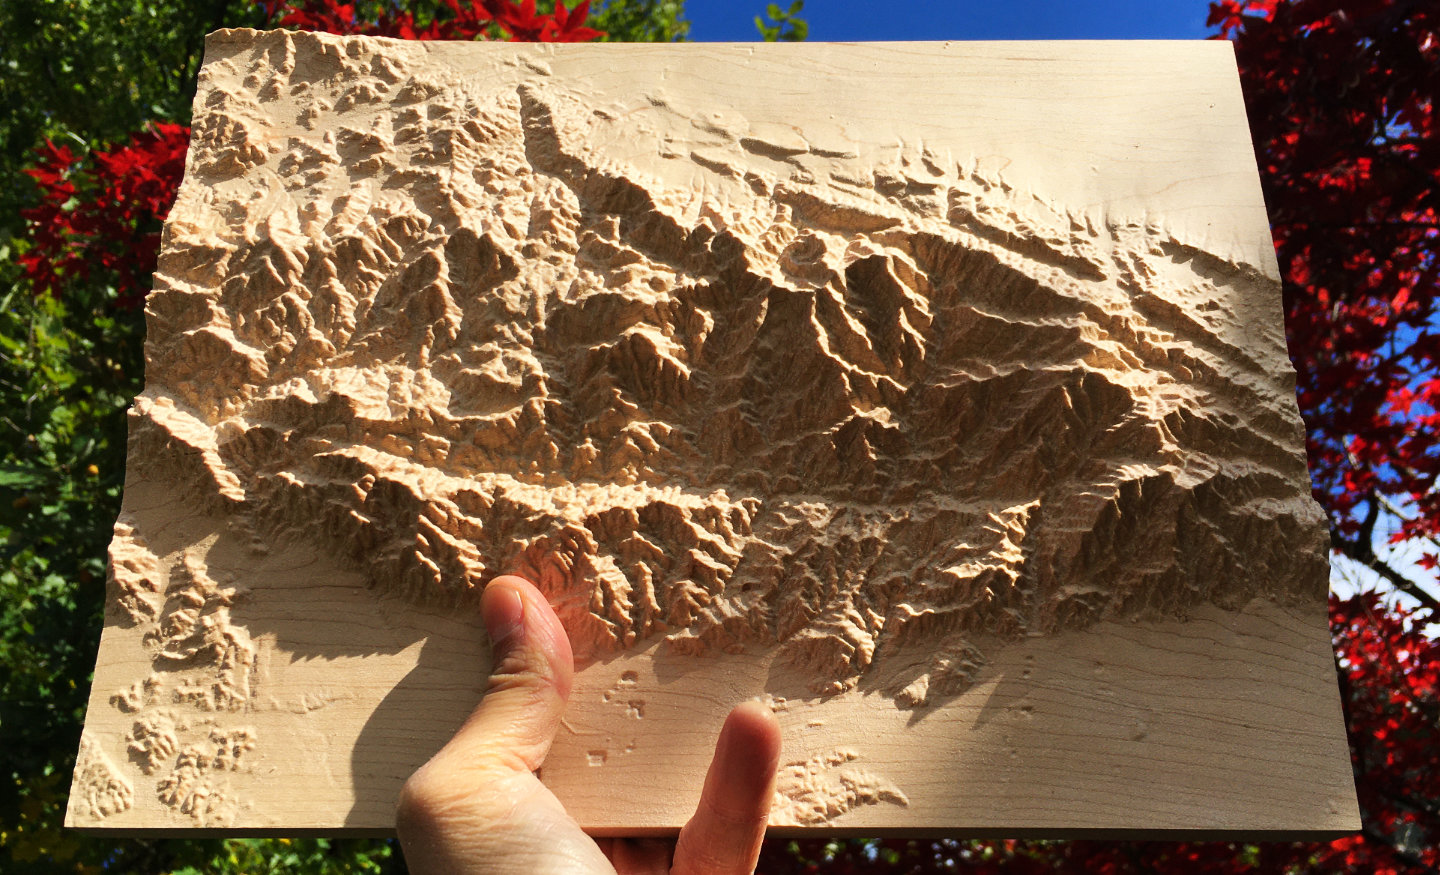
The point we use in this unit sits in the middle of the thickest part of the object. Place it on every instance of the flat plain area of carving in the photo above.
(935, 393)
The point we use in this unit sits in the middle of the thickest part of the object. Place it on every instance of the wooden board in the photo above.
(935, 393)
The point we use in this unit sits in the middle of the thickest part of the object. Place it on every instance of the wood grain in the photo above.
(934, 393)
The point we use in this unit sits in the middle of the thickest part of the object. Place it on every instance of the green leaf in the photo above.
(19, 478)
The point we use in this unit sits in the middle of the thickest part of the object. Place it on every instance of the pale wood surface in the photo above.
(1125, 676)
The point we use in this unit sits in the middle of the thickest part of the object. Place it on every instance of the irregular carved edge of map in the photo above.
(412, 318)
(181, 739)
(100, 789)
(816, 791)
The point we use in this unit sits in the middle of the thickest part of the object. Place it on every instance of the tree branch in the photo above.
(1361, 549)
(1395, 511)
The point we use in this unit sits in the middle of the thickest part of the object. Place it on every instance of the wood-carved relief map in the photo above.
(986, 474)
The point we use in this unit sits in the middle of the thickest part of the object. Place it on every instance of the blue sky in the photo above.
(847, 20)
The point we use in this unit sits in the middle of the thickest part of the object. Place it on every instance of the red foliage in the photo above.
(1390, 680)
(1341, 97)
(99, 217)
(477, 19)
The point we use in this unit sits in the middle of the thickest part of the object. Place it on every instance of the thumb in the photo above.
(530, 677)
(476, 806)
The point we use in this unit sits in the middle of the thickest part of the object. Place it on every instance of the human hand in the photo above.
(477, 806)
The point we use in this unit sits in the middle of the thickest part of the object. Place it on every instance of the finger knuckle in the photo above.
(422, 800)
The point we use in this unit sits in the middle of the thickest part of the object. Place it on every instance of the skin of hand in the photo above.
(477, 806)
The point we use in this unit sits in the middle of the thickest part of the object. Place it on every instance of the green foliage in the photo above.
(786, 24)
(640, 21)
(286, 856)
(66, 375)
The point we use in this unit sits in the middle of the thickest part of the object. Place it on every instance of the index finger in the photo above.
(724, 836)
